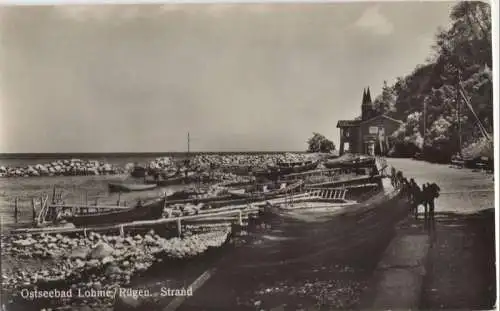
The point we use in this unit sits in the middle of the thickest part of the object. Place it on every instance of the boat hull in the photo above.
(118, 187)
(350, 162)
(266, 195)
(283, 170)
(147, 212)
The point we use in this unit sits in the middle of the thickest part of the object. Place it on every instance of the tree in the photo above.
(461, 60)
(319, 143)
(386, 102)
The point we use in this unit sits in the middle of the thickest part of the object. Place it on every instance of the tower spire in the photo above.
(368, 96)
(363, 101)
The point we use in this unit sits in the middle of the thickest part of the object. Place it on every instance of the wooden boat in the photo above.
(174, 180)
(265, 191)
(124, 187)
(350, 161)
(153, 210)
(294, 167)
(323, 200)
(139, 172)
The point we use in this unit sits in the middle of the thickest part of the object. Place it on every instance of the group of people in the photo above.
(417, 196)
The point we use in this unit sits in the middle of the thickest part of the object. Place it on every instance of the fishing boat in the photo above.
(176, 179)
(294, 167)
(139, 171)
(265, 191)
(321, 200)
(150, 211)
(350, 161)
(125, 187)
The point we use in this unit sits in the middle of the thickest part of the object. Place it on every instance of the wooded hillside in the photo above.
(461, 54)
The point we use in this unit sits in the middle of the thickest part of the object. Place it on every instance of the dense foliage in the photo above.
(319, 143)
(461, 54)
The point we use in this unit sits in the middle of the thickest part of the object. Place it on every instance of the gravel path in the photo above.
(461, 261)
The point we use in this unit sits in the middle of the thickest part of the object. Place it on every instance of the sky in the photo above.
(237, 77)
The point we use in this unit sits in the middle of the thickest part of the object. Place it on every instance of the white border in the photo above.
(70, 2)
(496, 109)
(496, 129)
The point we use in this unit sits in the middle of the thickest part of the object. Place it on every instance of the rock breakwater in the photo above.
(73, 167)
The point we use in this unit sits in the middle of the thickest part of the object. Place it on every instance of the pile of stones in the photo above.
(97, 262)
(73, 167)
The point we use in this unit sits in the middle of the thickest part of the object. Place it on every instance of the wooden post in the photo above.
(33, 209)
(119, 197)
(16, 210)
(179, 227)
(122, 232)
(240, 216)
(86, 198)
(54, 195)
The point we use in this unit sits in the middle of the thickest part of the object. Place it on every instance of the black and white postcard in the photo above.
(260, 156)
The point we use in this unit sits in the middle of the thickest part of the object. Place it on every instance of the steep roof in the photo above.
(348, 123)
(381, 116)
(368, 96)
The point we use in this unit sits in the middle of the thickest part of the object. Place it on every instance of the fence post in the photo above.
(240, 218)
(16, 210)
(119, 198)
(54, 195)
(33, 209)
(179, 227)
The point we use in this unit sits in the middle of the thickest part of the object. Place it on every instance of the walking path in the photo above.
(448, 263)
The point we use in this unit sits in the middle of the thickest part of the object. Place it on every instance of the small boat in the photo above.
(350, 161)
(153, 210)
(294, 167)
(139, 171)
(265, 191)
(173, 179)
(124, 187)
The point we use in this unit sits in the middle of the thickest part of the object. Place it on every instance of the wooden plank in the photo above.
(143, 223)
(177, 301)
(86, 206)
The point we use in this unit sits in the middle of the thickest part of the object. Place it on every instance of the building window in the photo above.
(373, 130)
(346, 133)
(346, 146)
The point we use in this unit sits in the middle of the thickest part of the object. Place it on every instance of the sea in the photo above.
(77, 189)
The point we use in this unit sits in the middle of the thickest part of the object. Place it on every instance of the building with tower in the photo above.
(369, 133)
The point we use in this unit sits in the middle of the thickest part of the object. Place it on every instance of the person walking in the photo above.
(415, 196)
(393, 176)
(399, 179)
(433, 194)
(425, 199)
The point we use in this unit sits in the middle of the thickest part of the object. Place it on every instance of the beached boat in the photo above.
(265, 191)
(153, 210)
(174, 180)
(124, 187)
(294, 167)
(350, 161)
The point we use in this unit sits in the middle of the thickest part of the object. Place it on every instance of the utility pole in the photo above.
(458, 114)
(425, 120)
(188, 143)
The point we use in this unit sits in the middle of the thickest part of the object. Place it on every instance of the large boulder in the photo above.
(80, 252)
